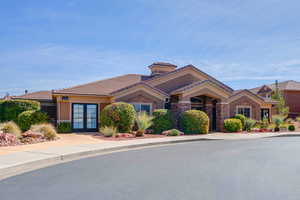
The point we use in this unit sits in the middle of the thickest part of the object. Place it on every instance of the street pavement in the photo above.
(266, 168)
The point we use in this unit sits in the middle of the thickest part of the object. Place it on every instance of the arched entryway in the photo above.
(208, 105)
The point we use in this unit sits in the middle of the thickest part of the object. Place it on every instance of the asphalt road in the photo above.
(264, 169)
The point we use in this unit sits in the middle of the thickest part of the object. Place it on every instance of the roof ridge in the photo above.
(189, 66)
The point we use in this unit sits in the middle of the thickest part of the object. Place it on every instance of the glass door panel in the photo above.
(78, 116)
(91, 116)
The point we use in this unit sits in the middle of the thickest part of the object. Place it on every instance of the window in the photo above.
(244, 110)
(142, 107)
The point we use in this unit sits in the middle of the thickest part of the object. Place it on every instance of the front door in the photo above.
(265, 114)
(84, 117)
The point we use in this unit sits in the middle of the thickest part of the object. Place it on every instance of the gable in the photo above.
(138, 88)
(178, 82)
(194, 73)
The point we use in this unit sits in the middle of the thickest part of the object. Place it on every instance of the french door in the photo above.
(84, 117)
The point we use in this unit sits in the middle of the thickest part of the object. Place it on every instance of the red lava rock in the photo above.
(32, 134)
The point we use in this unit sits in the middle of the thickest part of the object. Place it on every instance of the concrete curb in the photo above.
(49, 159)
(12, 164)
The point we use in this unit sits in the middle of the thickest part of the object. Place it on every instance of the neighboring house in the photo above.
(166, 87)
(290, 90)
(48, 104)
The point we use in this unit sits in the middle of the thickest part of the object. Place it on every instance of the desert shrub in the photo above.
(11, 127)
(291, 128)
(31, 117)
(120, 115)
(64, 127)
(162, 120)
(232, 125)
(242, 118)
(172, 132)
(277, 120)
(48, 130)
(194, 122)
(108, 131)
(289, 120)
(10, 109)
(8, 139)
(249, 124)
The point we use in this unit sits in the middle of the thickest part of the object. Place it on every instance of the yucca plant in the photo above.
(143, 121)
(108, 131)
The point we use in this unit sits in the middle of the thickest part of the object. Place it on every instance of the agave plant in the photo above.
(143, 121)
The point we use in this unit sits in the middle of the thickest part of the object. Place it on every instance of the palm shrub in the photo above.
(194, 122)
(64, 127)
(249, 124)
(278, 121)
(31, 117)
(108, 131)
(11, 127)
(232, 125)
(242, 118)
(120, 115)
(48, 130)
(143, 121)
(10, 109)
(162, 120)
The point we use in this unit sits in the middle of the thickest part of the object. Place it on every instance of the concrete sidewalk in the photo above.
(31, 159)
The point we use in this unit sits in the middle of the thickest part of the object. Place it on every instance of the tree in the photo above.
(281, 107)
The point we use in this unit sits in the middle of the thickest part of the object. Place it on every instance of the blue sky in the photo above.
(60, 43)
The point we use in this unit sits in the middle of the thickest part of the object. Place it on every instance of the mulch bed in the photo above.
(127, 136)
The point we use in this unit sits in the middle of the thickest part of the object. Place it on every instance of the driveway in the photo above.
(266, 168)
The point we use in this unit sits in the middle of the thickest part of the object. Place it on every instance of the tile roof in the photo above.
(267, 100)
(193, 67)
(286, 85)
(103, 87)
(143, 84)
(40, 95)
(195, 84)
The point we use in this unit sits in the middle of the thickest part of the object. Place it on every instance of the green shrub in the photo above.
(48, 130)
(298, 119)
(249, 124)
(31, 117)
(264, 123)
(11, 127)
(108, 131)
(64, 127)
(173, 132)
(120, 115)
(242, 118)
(162, 120)
(233, 125)
(194, 122)
(291, 128)
(10, 109)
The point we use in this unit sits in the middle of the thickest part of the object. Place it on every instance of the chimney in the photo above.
(159, 68)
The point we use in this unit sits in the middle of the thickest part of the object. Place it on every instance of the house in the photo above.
(291, 93)
(166, 86)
